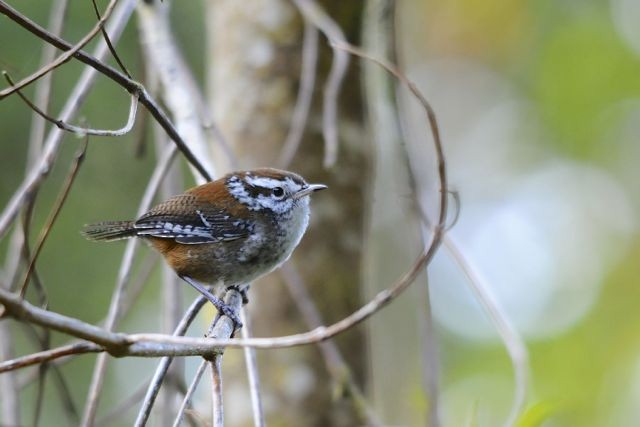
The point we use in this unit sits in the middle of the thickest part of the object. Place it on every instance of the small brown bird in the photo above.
(225, 233)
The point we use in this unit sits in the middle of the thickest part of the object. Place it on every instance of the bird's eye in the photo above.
(278, 192)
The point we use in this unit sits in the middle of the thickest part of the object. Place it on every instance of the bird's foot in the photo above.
(242, 289)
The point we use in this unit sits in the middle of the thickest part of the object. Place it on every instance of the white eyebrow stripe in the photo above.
(261, 181)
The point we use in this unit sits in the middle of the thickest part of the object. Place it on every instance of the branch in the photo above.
(178, 85)
(315, 14)
(49, 355)
(305, 95)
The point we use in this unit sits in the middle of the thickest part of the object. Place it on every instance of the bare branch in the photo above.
(513, 342)
(49, 355)
(305, 95)
(62, 58)
(315, 14)
(177, 82)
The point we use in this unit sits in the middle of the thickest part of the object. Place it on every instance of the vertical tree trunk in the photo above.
(253, 75)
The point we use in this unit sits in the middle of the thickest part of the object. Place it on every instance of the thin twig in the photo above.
(133, 108)
(55, 211)
(64, 57)
(512, 340)
(108, 42)
(252, 372)
(49, 355)
(163, 366)
(315, 14)
(305, 95)
(190, 391)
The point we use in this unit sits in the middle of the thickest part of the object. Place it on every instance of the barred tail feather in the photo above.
(109, 230)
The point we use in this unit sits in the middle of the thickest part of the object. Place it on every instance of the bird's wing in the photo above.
(187, 221)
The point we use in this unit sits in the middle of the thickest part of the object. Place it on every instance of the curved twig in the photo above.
(133, 108)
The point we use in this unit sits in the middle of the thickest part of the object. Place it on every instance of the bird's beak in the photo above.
(311, 188)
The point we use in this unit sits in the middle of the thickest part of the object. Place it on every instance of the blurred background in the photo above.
(538, 104)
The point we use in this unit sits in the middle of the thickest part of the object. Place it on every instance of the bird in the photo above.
(225, 233)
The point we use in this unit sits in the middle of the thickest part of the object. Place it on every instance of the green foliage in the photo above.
(583, 69)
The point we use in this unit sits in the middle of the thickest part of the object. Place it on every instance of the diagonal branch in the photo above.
(49, 355)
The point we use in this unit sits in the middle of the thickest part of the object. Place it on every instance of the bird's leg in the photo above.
(242, 289)
(218, 303)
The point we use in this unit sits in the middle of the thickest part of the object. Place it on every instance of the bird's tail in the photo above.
(109, 230)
